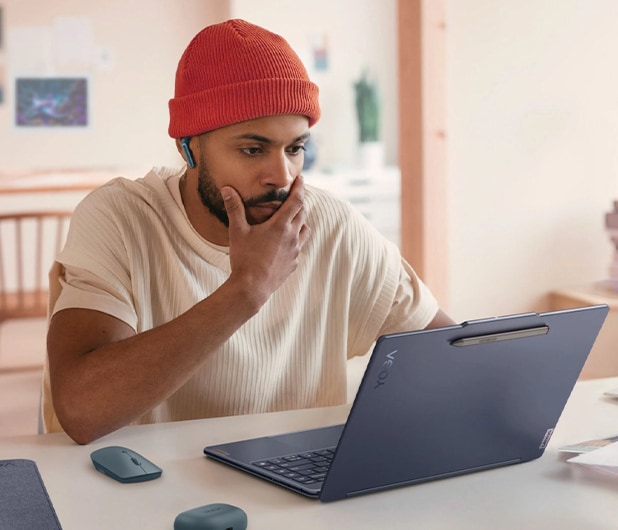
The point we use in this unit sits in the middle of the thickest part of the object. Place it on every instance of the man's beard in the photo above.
(210, 195)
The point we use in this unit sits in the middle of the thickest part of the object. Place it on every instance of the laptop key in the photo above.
(301, 467)
(307, 472)
(296, 463)
(292, 458)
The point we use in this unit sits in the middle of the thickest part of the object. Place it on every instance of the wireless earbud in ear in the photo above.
(184, 145)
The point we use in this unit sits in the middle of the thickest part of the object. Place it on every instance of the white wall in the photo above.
(532, 149)
(129, 92)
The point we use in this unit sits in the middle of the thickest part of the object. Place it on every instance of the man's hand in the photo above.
(263, 255)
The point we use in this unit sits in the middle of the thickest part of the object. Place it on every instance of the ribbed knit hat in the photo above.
(235, 71)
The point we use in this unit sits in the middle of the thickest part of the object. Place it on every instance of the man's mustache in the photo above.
(271, 196)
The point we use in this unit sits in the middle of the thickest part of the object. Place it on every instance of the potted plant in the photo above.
(371, 149)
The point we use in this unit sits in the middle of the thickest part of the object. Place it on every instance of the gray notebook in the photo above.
(435, 404)
(24, 502)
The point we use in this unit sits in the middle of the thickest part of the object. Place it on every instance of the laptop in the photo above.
(434, 404)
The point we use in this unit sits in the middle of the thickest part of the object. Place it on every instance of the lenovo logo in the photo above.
(546, 438)
(386, 369)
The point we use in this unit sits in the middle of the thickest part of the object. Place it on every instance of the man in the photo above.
(227, 286)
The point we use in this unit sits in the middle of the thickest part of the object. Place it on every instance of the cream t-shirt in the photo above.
(132, 253)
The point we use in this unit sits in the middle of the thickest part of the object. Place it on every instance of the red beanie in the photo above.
(235, 71)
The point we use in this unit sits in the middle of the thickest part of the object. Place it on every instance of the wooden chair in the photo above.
(29, 243)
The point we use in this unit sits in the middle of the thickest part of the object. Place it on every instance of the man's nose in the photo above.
(279, 173)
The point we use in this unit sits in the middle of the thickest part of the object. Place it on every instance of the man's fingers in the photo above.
(233, 206)
(304, 234)
(297, 195)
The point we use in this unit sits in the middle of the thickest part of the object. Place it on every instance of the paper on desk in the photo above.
(588, 445)
(604, 459)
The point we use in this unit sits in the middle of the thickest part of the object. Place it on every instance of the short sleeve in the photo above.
(414, 306)
(83, 290)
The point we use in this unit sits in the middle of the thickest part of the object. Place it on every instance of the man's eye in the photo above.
(297, 149)
(252, 150)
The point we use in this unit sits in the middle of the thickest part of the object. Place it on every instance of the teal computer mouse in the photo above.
(124, 465)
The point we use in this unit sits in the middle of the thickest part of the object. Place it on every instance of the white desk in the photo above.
(544, 494)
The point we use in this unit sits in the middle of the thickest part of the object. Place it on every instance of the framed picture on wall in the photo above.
(56, 102)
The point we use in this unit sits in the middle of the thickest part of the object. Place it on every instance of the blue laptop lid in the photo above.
(439, 403)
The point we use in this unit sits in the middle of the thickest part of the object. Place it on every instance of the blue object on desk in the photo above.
(216, 516)
(124, 465)
(24, 502)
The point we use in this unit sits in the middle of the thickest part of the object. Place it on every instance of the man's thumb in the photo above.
(232, 201)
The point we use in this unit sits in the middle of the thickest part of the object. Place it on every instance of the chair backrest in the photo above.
(29, 243)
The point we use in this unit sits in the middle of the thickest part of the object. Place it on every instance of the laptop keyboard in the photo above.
(305, 468)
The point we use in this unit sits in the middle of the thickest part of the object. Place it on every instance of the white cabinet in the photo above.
(376, 193)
